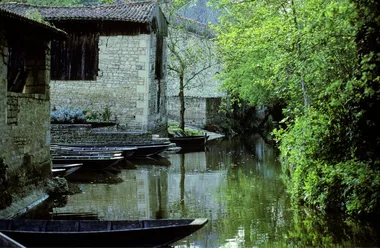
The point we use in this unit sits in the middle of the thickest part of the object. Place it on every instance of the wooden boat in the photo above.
(64, 170)
(143, 149)
(191, 149)
(126, 151)
(5, 241)
(58, 172)
(148, 150)
(190, 141)
(93, 233)
(75, 152)
(89, 162)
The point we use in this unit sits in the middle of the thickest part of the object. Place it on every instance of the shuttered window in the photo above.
(75, 58)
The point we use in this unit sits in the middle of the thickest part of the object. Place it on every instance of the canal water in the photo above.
(235, 183)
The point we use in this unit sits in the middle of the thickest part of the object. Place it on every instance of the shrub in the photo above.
(67, 115)
(318, 178)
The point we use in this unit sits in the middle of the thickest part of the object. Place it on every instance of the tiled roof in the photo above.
(10, 15)
(140, 12)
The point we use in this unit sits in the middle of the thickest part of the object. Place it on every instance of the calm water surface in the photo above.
(236, 184)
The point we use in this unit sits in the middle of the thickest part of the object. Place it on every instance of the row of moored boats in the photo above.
(68, 158)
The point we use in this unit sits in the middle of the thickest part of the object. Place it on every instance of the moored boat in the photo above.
(127, 151)
(148, 150)
(89, 162)
(64, 170)
(141, 149)
(93, 233)
(190, 141)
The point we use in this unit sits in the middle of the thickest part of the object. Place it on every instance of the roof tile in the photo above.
(134, 12)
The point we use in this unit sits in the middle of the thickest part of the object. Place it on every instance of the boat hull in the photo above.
(88, 163)
(103, 233)
(150, 150)
(67, 168)
(133, 150)
(190, 141)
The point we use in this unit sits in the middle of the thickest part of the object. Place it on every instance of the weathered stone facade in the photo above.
(113, 62)
(125, 84)
(24, 113)
(202, 93)
(200, 111)
(85, 134)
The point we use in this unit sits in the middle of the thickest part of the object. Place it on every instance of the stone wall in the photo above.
(125, 84)
(205, 84)
(199, 111)
(213, 116)
(83, 133)
(24, 129)
(157, 112)
(3, 86)
(202, 87)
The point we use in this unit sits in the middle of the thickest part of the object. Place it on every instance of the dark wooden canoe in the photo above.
(5, 241)
(92, 233)
(74, 151)
(89, 162)
(190, 141)
(127, 151)
(149, 150)
(64, 170)
(143, 149)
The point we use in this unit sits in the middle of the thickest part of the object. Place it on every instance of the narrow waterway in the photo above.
(236, 184)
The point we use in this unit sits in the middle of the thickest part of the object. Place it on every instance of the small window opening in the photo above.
(26, 66)
(75, 58)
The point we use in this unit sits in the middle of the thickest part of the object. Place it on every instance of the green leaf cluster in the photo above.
(270, 48)
(321, 58)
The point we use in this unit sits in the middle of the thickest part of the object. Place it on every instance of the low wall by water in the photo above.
(84, 133)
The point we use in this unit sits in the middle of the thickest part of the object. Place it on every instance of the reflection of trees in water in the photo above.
(256, 204)
(182, 183)
(310, 229)
(236, 149)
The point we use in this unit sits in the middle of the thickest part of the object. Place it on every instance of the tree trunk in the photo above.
(182, 103)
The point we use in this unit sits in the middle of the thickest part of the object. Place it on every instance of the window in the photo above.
(75, 58)
(26, 66)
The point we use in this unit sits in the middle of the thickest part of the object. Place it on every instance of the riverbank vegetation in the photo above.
(320, 59)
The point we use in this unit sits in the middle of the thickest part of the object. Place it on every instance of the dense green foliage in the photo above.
(321, 59)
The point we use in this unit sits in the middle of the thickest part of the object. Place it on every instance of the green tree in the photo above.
(320, 57)
(192, 55)
(285, 51)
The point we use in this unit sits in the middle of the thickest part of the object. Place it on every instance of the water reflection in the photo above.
(236, 184)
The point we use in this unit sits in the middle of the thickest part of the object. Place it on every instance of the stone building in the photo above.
(113, 63)
(202, 95)
(24, 105)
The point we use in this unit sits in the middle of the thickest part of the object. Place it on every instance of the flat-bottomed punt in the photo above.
(94, 162)
(64, 170)
(143, 149)
(190, 141)
(93, 233)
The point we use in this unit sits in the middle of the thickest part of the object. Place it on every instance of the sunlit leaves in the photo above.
(270, 47)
